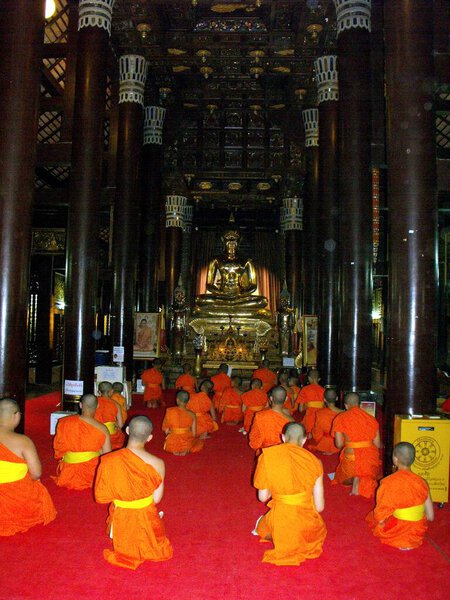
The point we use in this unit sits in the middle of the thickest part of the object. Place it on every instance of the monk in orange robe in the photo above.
(357, 434)
(117, 389)
(180, 427)
(154, 385)
(310, 399)
(291, 478)
(268, 377)
(269, 423)
(403, 504)
(231, 403)
(78, 443)
(252, 402)
(221, 382)
(132, 480)
(289, 402)
(200, 403)
(108, 412)
(186, 381)
(294, 389)
(24, 501)
(321, 438)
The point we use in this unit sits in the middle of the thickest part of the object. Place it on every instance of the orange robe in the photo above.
(254, 400)
(75, 435)
(322, 440)
(180, 438)
(266, 429)
(293, 524)
(107, 413)
(231, 405)
(122, 402)
(310, 396)
(201, 404)
(152, 380)
(358, 426)
(24, 503)
(186, 382)
(221, 382)
(138, 534)
(289, 402)
(295, 391)
(402, 489)
(268, 378)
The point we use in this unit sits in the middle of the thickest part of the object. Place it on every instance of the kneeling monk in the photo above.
(203, 408)
(133, 481)
(252, 402)
(78, 443)
(292, 479)
(180, 427)
(321, 438)
(24, 501)
(110, 414)
(403, 505)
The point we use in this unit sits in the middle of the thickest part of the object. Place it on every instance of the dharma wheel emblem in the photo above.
(428, 452)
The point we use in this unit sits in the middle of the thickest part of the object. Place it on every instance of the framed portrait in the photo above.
(310, 325)
(146, 335)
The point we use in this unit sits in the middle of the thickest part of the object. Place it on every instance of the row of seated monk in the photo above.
(288, 476)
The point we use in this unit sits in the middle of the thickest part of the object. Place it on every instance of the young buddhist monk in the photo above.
(221, 382)
(200, 403)
(252, 402)
(291, 478)
(268, 377)
(186, 381)
(310, 399)
(24, 501)
(180, 427)
(117, 396)
(132, 480)
(154, 385)
(268, 424)
(321, 439)
(109, 413)
(357, 435)
(78, 444)
(289, 405)
(231, 403)
(294, 388)
(403, 504)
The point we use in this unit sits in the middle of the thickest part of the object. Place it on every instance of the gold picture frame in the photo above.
(310, 325)
(146, 338)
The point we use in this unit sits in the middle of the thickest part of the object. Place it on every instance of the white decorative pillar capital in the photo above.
(311, 123)
(133, 73)
(291, 214)
(327, 78)
(175, 210)
(95, 13)
(351, 14)
(153, 124)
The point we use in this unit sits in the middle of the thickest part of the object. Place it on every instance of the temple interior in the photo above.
(225, 182)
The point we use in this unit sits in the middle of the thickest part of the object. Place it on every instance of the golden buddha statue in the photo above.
(231, 285)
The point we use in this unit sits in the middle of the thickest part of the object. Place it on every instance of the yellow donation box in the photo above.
(431, 439)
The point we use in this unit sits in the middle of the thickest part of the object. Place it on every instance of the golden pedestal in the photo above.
(430, 436)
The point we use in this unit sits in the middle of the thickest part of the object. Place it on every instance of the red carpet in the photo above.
(210, 509)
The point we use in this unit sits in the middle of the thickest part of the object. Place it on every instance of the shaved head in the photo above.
(313, 375)
(294, 433)
(223, 368)
(283, 377)
(405, 453)
(8, 407)
(330, 395)
(140, 428)
(278, 395)
(117, 386)
(256, 383)
(105, 388)
(351, 399)
(206, 386)
(182, 396)
(89, 401)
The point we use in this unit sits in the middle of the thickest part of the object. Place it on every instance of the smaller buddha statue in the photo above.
(231, 285)
(285, 322)
(178, 314)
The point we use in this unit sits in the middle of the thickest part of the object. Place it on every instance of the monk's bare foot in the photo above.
(355, 487)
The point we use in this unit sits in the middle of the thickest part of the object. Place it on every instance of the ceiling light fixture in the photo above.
(50, 8)
(143, 29)
(203, 54)
(206, 71)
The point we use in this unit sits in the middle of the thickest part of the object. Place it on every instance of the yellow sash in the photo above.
(152, 385)
(365, 444)
(180, 430)
(255, 408)
(199, 414)
(314, 404)
(141, 503)
(300, 499)
(232, 406)
(412, 513)
(10, 471)
(111, 426)
(74, 458)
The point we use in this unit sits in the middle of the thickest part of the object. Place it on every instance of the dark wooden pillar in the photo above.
(21, 32)
(328, 95)
(355, 196)
(310, 217)
(85, 191)
(175, 209)
(133, 72)
(292, 224)
(412, 209)
(152, 155)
